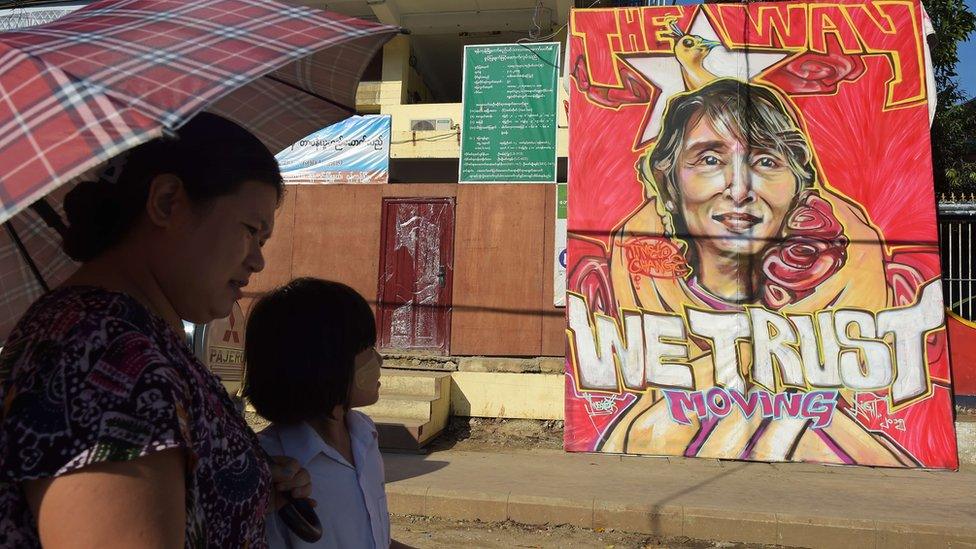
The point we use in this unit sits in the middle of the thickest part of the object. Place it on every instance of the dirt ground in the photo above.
(491, 434)
(435, 533)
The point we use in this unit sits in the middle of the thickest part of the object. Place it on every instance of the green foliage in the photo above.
(954, 130)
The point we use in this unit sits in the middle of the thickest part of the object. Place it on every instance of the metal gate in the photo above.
(956, 219)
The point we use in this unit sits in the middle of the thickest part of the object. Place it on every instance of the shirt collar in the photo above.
(300, 441)
(361, 428)
(303, 443)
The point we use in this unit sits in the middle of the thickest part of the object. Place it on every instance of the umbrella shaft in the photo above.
(26, 255)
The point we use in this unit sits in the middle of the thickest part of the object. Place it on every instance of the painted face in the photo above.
(733, 198)
(366, 379)
(211, 257)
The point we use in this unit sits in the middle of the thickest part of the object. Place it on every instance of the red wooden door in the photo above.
(416, 272)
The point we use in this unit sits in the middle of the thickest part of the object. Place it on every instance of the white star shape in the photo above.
(664, 71)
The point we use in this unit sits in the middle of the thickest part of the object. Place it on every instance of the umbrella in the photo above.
(78, 91)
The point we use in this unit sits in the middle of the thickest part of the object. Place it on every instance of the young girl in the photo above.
(310, 355)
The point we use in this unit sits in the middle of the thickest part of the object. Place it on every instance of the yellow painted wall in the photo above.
(431, 144)
(368, 95)
(396, 67)
(522, 396)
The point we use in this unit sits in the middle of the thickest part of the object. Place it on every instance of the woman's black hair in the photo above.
(211, 155)
(300, 347)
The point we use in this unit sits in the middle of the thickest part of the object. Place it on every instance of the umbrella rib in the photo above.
(27, 258)
(346, 108)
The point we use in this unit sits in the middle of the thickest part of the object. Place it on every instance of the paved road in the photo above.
(435, 533)
(800, 505)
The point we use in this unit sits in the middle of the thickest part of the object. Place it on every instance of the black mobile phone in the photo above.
(300, 517)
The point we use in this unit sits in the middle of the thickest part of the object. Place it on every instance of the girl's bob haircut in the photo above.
(300, 346)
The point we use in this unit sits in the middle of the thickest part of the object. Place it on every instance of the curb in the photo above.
(702, 523)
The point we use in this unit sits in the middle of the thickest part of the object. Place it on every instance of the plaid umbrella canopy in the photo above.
(80, 90)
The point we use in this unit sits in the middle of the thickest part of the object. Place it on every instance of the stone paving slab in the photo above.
(801, 505)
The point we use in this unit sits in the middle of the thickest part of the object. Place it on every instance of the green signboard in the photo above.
(508, 131)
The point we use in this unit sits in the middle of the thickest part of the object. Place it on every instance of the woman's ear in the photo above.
(166, 196)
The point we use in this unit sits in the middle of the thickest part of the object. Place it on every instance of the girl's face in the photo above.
(366, 379)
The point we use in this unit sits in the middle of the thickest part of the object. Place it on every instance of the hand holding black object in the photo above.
(292, 486)
(300, 517)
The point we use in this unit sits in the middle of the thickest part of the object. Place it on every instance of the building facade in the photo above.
(479, 278)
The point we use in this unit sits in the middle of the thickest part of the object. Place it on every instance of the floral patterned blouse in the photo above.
(89, 376)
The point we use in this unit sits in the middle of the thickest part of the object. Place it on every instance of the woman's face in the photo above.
(366, 379)
(733, 198)
(209, 256)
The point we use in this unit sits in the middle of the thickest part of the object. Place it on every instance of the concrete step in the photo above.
(403, 434)
(413, 408)
(410, 382)
(401, 406)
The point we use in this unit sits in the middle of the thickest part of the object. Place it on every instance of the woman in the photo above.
(736, 215)
(112, 433)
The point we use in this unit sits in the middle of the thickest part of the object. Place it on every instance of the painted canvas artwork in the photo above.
(753, 266)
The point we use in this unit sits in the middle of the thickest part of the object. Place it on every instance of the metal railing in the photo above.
(957, 215)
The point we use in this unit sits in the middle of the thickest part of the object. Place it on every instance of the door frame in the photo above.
(381, 310)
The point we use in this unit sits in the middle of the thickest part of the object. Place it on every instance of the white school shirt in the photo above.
(351, 499)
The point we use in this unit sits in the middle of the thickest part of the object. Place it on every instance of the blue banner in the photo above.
(356, 150)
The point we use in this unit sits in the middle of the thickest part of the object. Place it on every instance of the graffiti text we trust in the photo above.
(841, 348)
